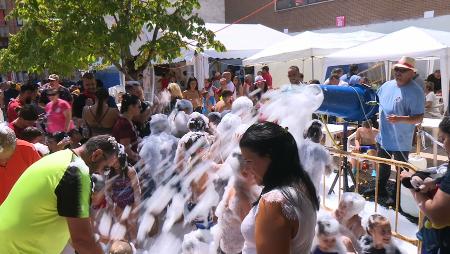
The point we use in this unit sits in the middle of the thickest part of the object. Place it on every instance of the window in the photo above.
(4, 42)
(2, 18)
(287, 4)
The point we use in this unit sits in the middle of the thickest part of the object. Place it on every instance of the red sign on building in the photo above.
(340, 21)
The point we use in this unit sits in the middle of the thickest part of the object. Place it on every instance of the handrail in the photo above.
(398, 165)
(373, 158)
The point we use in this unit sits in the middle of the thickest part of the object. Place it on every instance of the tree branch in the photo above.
(150, 54)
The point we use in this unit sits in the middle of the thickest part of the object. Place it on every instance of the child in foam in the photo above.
(350, 205)
(315, 158)
(379, 237)
(237, 201)
(124, 195)
(329, 239)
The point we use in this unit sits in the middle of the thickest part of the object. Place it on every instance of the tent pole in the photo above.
(386, 68)
(445, 74)
(312, 67)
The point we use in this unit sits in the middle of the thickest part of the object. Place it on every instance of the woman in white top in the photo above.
(431, 109)
(283, 220)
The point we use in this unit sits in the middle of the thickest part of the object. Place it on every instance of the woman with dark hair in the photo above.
(193, 95)
(284, 218)
(100, 118)
(124, 130)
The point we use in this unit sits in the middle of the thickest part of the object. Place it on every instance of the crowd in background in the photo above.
(270, 206)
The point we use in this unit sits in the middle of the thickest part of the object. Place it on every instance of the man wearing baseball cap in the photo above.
(402, 106)
(64, 93)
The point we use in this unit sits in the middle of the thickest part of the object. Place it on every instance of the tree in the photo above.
(71, 34)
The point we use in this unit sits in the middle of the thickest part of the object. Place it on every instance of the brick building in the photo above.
(7, 26)
(302, 15)
(212, 11)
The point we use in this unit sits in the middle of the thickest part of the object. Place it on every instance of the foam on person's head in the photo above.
(197, 122)
(182, 105)
(159, 123)
(327, 225)
(354, 202)
(228, 124)
(242, 106)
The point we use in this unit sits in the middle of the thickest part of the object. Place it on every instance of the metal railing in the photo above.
(398, 166)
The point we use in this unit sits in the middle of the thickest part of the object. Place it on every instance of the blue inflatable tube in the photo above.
(353, 103)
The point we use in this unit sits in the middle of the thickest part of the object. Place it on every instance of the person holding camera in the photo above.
(433, 198)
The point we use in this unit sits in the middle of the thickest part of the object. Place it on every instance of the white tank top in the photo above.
(297, 207)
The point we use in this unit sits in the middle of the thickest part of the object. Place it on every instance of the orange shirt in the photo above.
(24, 155)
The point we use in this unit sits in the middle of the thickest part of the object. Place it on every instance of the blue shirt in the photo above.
(445, 182)
(212, 101)
(406, 100)
(345, 77)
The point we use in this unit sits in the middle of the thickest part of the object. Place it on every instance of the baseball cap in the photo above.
(53, 77)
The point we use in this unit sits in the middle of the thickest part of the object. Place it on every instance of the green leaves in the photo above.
(65, 35)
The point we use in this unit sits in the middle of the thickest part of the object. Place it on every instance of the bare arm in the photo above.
(82, 236)
(357, 139)
(435, 209)
(126, 142)
(273, 232)
(135, 185)
(428, 104)
(405, 119)
(68, 118)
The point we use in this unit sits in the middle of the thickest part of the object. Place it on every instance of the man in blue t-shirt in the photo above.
(402, 105)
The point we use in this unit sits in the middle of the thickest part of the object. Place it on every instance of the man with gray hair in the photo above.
(15, 156)
(50, 202)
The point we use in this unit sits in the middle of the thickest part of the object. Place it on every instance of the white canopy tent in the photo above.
(243, 40)
(310, 44)
(240, 41)
(310, 47)
(414, 42)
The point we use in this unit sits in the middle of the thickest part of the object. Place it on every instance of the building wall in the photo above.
(212, 11)
(7, 26)
(323, 15)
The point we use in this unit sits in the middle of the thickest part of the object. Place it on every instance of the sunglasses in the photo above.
(401, 70)
(51, 94)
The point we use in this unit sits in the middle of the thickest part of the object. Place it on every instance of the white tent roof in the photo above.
(240, 41)
(310, 44)
(243, 40)
(411, 41)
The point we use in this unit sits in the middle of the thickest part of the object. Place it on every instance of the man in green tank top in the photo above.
(50, 202)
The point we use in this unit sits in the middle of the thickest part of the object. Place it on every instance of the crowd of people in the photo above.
(74, 165)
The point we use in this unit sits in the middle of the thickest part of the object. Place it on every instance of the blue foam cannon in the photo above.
(353, 103)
